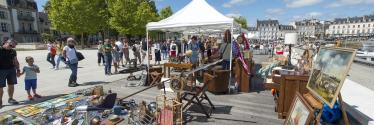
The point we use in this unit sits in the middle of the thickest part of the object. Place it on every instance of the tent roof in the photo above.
(194, 17)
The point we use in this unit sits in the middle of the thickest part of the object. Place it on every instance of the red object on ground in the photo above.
(279, 53)
(166, 117)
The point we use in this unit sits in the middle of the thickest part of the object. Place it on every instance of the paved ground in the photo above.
(239, 109)
(362, 74)
(52, 83)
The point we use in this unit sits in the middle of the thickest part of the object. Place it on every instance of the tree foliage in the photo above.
(130, 17)
(77, 16)
(241, 21)
(46, 37)
(166, 12)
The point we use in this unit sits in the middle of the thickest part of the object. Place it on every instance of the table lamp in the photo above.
(290, 39)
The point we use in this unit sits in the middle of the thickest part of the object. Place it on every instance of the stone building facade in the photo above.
(267, 29)
(352, 27)
(284, 29)
(5, 22)
(24, 18)
(310, 28)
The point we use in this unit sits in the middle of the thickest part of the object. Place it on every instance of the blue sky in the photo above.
(283, 10)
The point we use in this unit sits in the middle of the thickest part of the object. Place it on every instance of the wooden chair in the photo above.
(197, 95)
(156, 78)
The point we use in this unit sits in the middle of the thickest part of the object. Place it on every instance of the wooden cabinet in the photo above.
(241, 75)
(289, 85)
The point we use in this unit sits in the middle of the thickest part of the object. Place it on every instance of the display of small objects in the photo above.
(61, 111)
(8, 119)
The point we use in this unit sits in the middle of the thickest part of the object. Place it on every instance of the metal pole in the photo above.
(147, 53)
(232, 35)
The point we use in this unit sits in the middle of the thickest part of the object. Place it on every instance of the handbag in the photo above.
(79, 55)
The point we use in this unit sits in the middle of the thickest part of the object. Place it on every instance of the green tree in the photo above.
(241, 21)
(166, 12)
(46, 37)
(129, 17)
(78, 17)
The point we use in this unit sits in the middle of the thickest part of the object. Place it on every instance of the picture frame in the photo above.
(328, 73)
(300, 113)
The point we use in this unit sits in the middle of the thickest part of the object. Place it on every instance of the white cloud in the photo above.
(314, 14)
(301, 3)
(275, 11)
(310, 15)
(232, 3)
(233, 15)
(340, 3)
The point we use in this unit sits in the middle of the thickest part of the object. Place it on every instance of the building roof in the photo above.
(365, 18)
(307, 22)
(286, 27)
(269, 21)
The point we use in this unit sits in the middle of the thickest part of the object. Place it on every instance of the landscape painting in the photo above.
(330, 69)
(300, 113)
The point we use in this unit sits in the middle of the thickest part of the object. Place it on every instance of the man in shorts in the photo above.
(9, 70)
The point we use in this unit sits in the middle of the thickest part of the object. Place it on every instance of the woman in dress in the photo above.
(116, 56)
(126, 51)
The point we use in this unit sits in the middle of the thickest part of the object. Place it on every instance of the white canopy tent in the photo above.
(196, 17)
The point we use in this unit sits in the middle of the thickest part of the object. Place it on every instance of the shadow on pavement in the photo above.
(44, 98)
(93, 83)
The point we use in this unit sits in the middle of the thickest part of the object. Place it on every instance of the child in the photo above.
(30, 72)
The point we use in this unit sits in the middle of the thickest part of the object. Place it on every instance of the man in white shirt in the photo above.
(120, 46)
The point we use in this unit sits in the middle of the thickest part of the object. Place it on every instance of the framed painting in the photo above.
(329, 71)
(301, 113)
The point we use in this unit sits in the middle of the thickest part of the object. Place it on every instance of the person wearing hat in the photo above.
(9, 69)
(69, 53)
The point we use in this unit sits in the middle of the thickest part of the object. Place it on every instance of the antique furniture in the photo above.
(221, 81)
(156, 77)
(289, 84)
(167, 67)
(241, 75)
(153, 69)
(198, 95)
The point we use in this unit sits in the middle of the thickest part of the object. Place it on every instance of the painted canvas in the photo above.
(300, 113)
(329, 71)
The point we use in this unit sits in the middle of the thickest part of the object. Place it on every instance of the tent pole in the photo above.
(232, 37)
(147, 52)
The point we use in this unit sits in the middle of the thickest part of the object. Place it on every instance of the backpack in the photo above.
(173, 47)
(53, 50)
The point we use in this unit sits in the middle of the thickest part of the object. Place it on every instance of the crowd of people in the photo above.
(198, 50)
(117, 53)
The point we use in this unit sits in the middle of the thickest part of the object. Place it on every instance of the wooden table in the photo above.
(167, 67)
